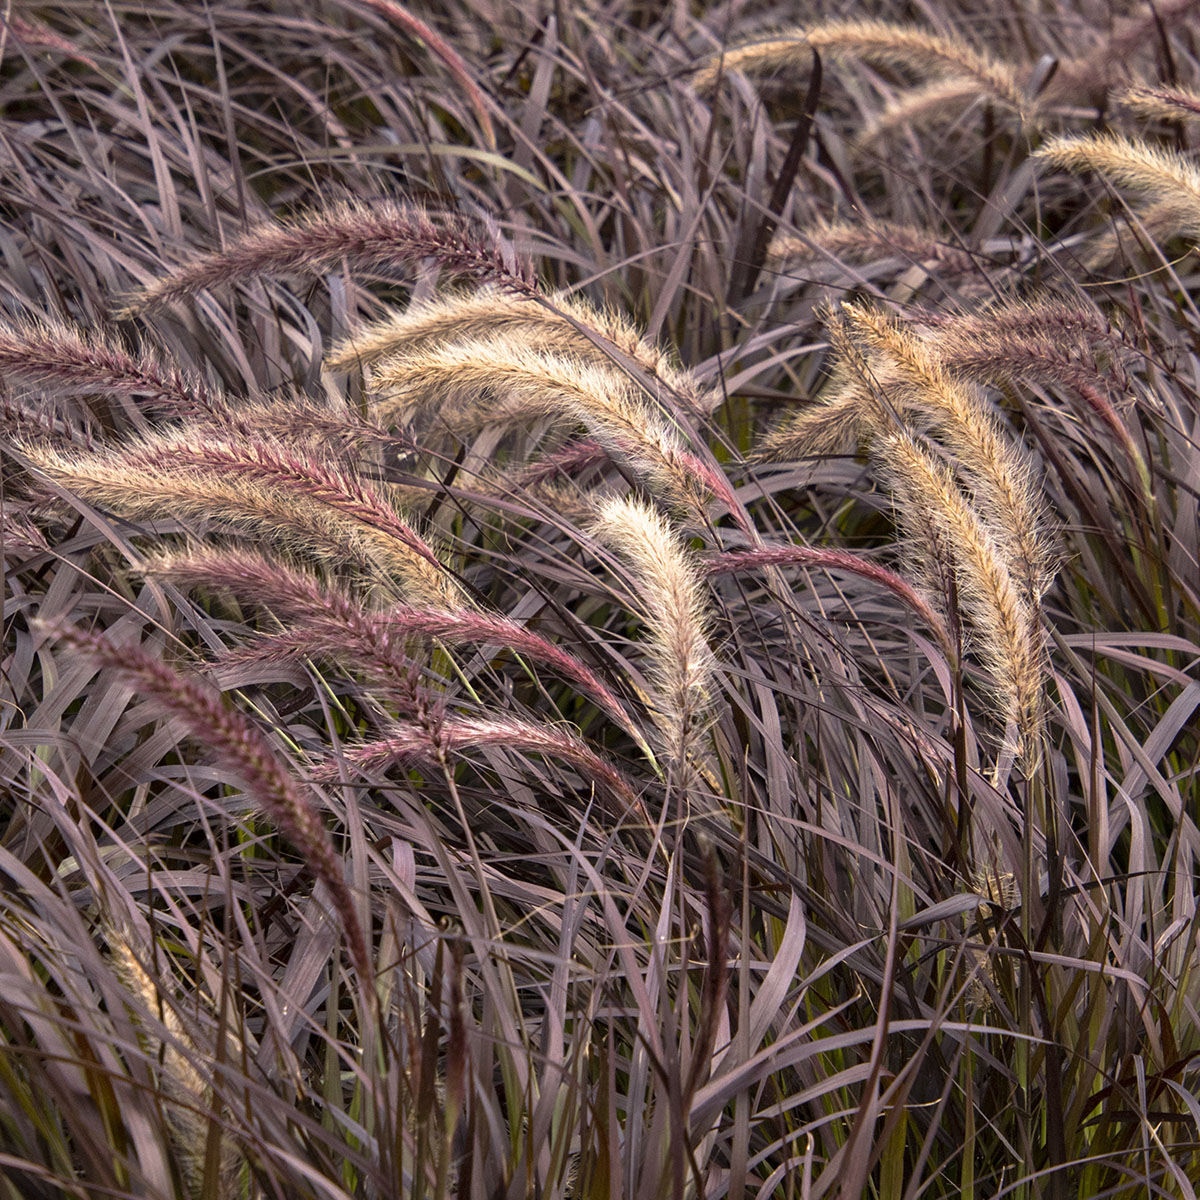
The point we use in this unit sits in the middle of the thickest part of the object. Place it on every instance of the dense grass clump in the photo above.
(601, 601)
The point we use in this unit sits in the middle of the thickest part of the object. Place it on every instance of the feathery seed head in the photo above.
(1164, 176)
(54, 354)
(325, 619)
(1160, 102)
(863, 241)
(514, 382)
(1008, 638)
(671, 590)
(878, 42)
(552, 325)
(993, 468)
(405, 744)
(380, 233)
(261, 487)
(191, 1115)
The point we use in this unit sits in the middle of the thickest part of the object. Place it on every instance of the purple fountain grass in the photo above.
(407, 744)
(294, 469)
(264, 580)
(834, 425)
(870, 240)
(1132, 164)
(328, 620)
(1044, 360)
(32, 423)
(52, 354)
(995, 467)
(878, 42)
(943, 101)
(1044, 341)
(381, 233)
(297, 419)
(180, 1054)
(676, 612)
(1008, 634)
(838, 560)
(19, 537)
(1161, 102)
(526, 381)
(188, 492)
(322, 635)
(561, 323)
(1048, 333)
(266, 488)
(240, 746)
(291, 467)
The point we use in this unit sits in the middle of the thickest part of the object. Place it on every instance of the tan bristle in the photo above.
(877, 42)
(671, 590)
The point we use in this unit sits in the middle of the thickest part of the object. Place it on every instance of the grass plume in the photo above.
(381, 234)
(326, 619)
(1162, 175)
(267, 489)
(510, 381)
(711, 826)
(996, 472)
(552, 323)
(1008, 637)
(1160, 103)
(671, 592)
(404, 745)
(881, 43)
(54, 355)
(191, 1115)
(865, 241)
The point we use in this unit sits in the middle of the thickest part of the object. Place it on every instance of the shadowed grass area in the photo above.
(601, 602)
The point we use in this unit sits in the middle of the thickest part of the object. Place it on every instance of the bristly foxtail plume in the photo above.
(866, 241)
(877, 42)
(835, 424)
(1046, 341)
(54, 354)
(240, 747)
(405, 744)
(1164, 176)
(672, 594)
(191, 1115)
(260, 486)
(331, 427)
(379, 234)
(1160, 102)
(567, 462)
(996, 472)
(1039, 337)
(522, 383)
(551, 323)
(325, 618)
(1008, 635)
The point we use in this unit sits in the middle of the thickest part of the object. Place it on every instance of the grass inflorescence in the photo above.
(600, 603)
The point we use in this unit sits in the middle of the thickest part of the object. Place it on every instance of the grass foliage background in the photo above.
(708, 711)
